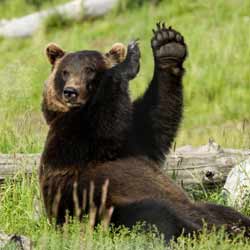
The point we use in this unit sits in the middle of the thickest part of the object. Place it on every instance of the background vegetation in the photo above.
(217, 100)
(216, 83)
(217, 70)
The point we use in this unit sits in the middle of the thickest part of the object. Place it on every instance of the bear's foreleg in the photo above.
(157, 114)
(110, 113)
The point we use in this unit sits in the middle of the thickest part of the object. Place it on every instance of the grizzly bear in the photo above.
(96, 133)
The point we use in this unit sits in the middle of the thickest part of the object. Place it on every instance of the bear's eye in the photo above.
(89, 70)
(65, 74)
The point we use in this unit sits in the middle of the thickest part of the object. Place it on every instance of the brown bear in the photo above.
(96, 134)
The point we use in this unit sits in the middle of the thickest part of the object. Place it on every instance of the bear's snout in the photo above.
(70, 94)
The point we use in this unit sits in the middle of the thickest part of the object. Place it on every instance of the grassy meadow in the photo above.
(217, 103)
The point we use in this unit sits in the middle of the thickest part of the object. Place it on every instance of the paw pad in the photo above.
(168, 43)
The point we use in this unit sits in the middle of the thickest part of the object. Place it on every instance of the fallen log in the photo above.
(77, 9)
(205, 165)
(11, 164)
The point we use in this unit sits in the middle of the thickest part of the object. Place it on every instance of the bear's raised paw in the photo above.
(131, 65)
(168, 46)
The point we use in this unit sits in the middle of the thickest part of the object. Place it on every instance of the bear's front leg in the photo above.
(110, 113)
(157, 114)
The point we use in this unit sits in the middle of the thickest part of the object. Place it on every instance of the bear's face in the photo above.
(75, 75)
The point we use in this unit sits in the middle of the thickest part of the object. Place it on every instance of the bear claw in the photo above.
(133, 47)
(133, 57)
(130, 67)
(133, 54)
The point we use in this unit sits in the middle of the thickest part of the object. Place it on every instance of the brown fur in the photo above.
(127, 185)
(90, 143)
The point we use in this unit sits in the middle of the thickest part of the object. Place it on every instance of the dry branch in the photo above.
(208, 164)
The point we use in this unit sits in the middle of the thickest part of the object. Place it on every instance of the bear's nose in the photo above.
(70, 94)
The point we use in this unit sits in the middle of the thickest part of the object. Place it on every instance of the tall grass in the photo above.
(22, 212)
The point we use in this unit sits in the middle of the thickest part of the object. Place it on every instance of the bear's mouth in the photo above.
(75, 104)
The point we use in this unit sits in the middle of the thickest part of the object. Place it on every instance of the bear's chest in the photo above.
(67, 145)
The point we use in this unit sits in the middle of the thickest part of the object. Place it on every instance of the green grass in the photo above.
(16, 8)
(216, 103)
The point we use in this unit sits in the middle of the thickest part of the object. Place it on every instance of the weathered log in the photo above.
(77, 9)
(205, 165)
(11, 164)
(208, 164)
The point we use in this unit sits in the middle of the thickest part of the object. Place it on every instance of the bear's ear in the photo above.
(117, 54)
(54, 52)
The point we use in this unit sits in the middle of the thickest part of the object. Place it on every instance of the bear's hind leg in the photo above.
(153, 213)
